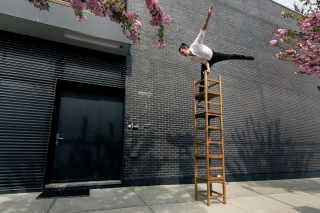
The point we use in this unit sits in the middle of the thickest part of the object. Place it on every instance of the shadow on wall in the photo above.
(262, 152)
(164, 157)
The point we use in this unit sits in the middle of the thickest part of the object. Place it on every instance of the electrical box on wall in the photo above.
(133, 155)
(133, 126)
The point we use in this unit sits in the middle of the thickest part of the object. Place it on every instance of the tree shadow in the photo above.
(167, 158)
(259, 151)
(306, 209)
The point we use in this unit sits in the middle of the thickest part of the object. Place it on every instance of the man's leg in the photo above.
(217, 57)
(203, 68)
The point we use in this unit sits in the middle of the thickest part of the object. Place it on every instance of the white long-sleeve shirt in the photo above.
(202, 52)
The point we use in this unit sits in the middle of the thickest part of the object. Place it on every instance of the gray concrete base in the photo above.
(81, 184)
(294, 195)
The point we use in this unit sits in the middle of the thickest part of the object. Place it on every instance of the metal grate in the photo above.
(29, 69)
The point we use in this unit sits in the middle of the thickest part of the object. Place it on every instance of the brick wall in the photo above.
(271, 116)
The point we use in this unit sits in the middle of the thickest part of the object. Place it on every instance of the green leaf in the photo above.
(296, 8)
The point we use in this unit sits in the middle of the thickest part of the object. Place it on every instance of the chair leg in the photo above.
(208, 193)
(195, 189)
(224, 192)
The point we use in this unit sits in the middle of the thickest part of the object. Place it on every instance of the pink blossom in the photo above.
(77, 5)
(96, 6)
(161, 45)
(131, 16)
(291, 52)
(124, 32)
(133, 38)
(157, 15)
(154, 21)
(281, 40)
(281, 32)
(116, 8)
(137, 25)
(91, 3)
(83, 19)
(110, 15)
(283, 14)
(99, 8)
(167, 20)
(40, 4)
(273, 42)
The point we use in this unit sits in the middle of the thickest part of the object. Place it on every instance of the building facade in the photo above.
(69, 91)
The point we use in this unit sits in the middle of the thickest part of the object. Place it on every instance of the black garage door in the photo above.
(29, 71)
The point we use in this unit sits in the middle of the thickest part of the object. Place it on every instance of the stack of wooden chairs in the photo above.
(209, 166)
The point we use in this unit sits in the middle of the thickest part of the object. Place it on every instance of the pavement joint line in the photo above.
(282, 193)
(51, 205)
(151, 209)
(104, 209)
(138, 196)
(184, 187)
(246, 210)
(149, 206)
(267, 195)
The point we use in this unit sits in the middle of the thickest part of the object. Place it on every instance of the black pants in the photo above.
(217, 57)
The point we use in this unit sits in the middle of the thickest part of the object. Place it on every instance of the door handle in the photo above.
(57, 139)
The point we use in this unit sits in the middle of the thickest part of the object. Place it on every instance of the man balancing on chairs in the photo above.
(200, 53)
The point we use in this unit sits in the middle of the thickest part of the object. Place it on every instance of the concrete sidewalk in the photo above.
(294, 195)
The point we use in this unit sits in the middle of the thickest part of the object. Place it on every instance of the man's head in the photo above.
(184, 50)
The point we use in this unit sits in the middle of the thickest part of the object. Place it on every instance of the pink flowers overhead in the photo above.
(40, 4)
(281, 33)
(158, 18)
(82, 19)
(133, 35)
(301, 47)
(273, 42)
(114, 10)
(77, 5)
(161, 45)
(157, 15)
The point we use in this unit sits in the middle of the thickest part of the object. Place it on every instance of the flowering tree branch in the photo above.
(158, 18)
(40, 4)
(301, 47)
(115, 11)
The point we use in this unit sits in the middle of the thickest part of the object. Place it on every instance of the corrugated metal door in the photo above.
(29, 70)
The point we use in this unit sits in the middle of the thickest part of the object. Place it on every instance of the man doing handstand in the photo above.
(200, 53)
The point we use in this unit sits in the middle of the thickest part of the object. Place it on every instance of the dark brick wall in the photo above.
(271, 116)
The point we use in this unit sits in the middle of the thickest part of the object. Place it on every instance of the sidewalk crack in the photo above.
(138, 196)
(151, 209)
(51, 205)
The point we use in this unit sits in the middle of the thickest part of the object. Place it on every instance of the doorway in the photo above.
(86, 134)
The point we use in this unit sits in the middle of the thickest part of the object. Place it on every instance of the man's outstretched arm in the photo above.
(207, 66)
(205, 24)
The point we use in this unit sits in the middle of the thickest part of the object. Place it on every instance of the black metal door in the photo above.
(87, 133)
